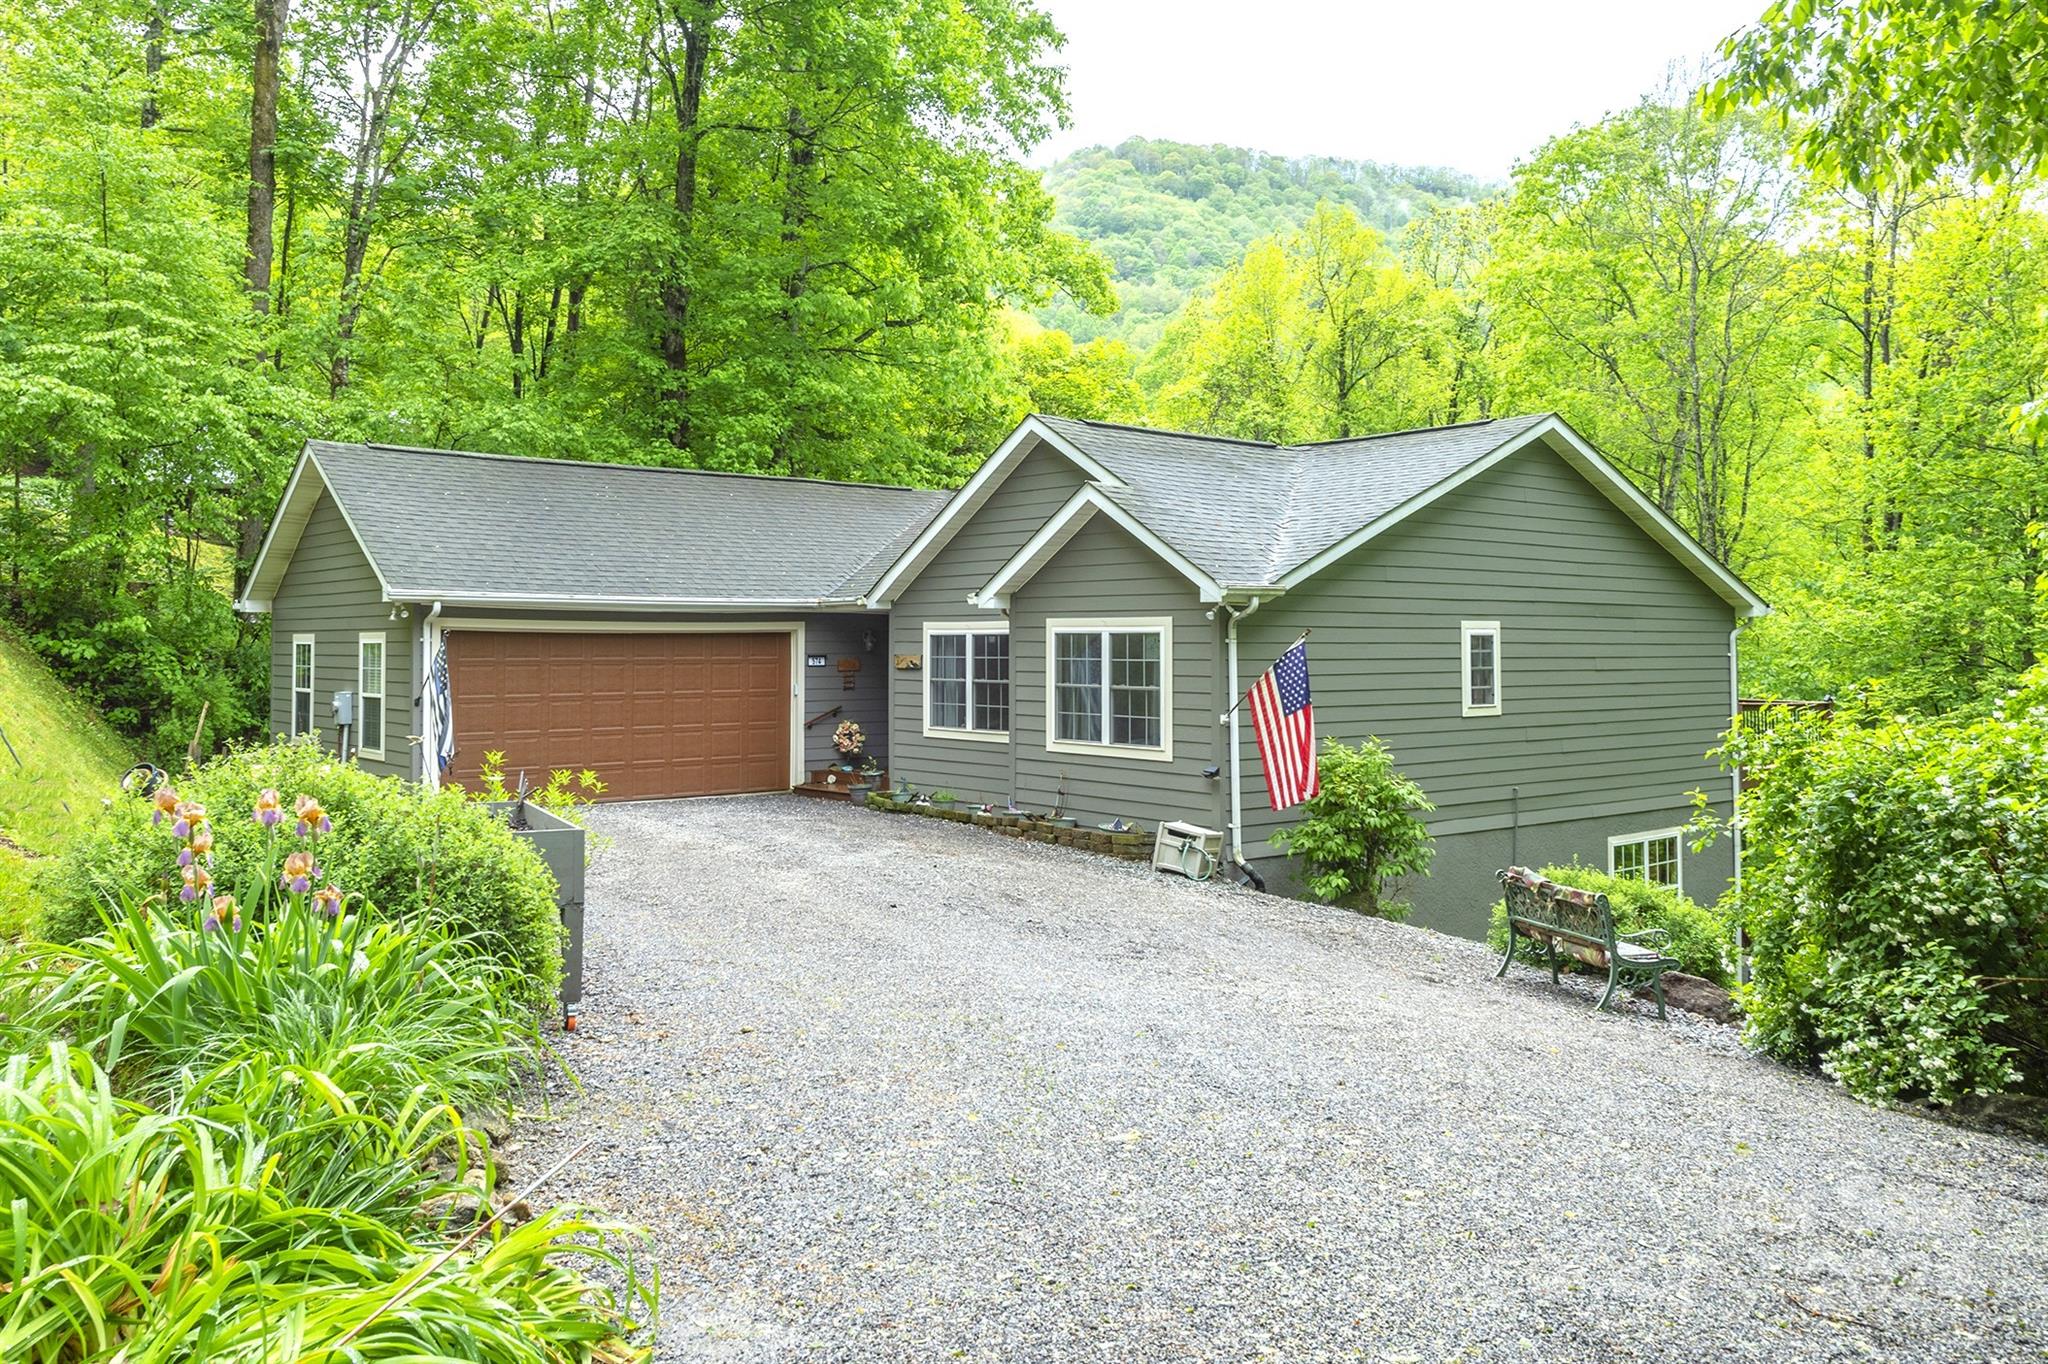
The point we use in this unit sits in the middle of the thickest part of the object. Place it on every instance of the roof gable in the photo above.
(1254, 515)
(1032, 433)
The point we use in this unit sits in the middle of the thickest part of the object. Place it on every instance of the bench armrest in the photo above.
(1647, 937)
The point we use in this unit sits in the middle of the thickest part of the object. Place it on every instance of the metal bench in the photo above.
(1582, 923)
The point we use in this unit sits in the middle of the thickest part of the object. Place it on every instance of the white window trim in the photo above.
(978, 627)
(376, 637)
(292, 729)
(1466, 630)
(1163, 627)
(1677, 837)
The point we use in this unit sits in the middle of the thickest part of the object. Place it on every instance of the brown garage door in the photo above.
(653, 714)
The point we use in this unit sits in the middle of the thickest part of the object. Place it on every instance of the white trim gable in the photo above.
(973, 496)
(1591, 466)
(281, 541)
(1064, 525)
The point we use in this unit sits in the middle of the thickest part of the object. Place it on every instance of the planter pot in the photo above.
(1062, 821)
(858, 793)
(561, 846)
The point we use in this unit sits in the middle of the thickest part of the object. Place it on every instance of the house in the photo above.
(1544, 650)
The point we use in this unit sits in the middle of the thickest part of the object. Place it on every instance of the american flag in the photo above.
(1285, 723)
(443, 709)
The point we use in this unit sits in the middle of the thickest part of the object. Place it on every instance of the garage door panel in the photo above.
(653, 714)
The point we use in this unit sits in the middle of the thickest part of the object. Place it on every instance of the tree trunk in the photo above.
(263, 87)
(152, 65)
(686, 94)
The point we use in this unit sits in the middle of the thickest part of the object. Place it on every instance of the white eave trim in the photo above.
(1596, 470)
(973, 495)
(1067, 522)
(546, 602)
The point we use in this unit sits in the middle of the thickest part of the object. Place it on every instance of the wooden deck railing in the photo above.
(1757, 716)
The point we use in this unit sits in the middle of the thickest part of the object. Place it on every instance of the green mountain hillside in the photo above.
(59, 761)
(1171, 215)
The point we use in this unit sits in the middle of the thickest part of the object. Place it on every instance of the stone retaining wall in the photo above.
(1133, 846)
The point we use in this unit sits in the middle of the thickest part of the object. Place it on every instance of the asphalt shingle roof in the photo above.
(1246, 512)
(443, 523)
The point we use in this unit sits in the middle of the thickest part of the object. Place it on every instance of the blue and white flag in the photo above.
(441, 707)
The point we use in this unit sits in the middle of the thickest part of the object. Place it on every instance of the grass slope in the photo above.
(65, 761)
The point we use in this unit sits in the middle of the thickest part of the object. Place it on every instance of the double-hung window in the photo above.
(370, 695)
(1111, 687)
(1652, 857)
(1479, 643)
(302, 685)
(967, 681)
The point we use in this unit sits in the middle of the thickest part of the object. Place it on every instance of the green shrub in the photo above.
(1895, 889)
(186, 1007)
(1360, 830)
(412, 854)
(149, 1238)
(1702, 938)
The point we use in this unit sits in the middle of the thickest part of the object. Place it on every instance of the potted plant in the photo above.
(850, 740)
(943, 798)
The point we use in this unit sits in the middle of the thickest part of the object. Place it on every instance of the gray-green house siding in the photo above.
(1615, 680)
(330, 592)
(975, 770)
(1101, 573)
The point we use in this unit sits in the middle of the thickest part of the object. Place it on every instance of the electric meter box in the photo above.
(344, 708)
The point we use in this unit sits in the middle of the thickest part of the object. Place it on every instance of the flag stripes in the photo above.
(1284, 722)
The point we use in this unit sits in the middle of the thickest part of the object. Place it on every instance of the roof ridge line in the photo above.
(615, 464)
(1164, 431)
(1415, 431)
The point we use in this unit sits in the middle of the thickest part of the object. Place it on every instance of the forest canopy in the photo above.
(805, 239)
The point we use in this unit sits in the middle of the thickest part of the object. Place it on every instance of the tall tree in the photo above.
(1880, 93)
(265, 81)
(1642, 284)
(1319, 335)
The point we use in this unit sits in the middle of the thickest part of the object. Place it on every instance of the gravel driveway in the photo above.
(889, 1088)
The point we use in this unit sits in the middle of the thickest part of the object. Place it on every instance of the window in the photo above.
(302, 685)
(1480, 646)
(1651, 857)
(967, 681)
(1110, 686)
(370, 695)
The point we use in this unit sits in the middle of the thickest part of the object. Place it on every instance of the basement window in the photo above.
(1652, 857)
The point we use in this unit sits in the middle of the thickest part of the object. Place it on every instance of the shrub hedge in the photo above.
(1895, 889)
(1702, 938)
(434, 857)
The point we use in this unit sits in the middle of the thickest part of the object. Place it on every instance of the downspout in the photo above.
(430, 767)
(1012, 746)
(1735, 804)
(1236, 759)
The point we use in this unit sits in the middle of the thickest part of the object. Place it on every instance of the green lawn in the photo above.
(65, 761)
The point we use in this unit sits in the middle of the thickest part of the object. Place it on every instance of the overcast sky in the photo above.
(1471, 84)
